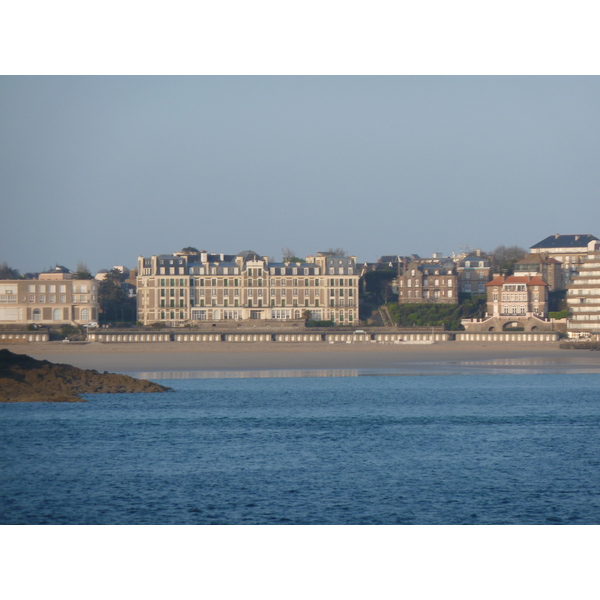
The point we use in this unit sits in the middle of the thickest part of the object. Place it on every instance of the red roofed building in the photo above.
(517, 295)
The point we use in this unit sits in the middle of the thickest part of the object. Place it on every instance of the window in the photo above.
(37, 314)
(85, 314)
(57, 314)
(42, 298)
(31, 296)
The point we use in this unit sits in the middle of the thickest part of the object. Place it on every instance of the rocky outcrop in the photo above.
(25, 379)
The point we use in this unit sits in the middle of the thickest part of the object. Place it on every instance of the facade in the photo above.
(428, 281)
(49, 300)
(583, 296)
(182, 289)
(543, 266)
(569, 250)
(517, 296)
(474, 271)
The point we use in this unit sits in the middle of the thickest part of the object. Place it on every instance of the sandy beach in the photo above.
(186, 357)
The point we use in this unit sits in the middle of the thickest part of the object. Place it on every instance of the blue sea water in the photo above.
(444, 449)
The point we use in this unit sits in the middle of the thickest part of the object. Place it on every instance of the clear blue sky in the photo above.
(102, 169)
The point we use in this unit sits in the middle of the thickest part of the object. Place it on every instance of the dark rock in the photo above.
(25, 379)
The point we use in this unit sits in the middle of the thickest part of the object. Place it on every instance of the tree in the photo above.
(290, 256)
(190, 250)
(7, 272)
(115, 303)
(82, 271)
(503, 258)
(337, 251)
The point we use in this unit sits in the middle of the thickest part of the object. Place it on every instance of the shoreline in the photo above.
(255, 356)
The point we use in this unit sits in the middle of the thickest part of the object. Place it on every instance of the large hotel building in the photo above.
(183, 288)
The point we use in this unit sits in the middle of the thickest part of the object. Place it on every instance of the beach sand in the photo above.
(223, 356)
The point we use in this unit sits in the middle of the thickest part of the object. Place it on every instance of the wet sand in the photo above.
(198, 356)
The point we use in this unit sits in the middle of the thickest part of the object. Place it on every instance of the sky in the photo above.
(101, 169)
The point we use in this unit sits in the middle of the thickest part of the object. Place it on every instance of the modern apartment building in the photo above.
(52, 299)
(181, 288)
(583, 295)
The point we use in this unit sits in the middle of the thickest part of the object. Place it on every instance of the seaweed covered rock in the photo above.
(25, 379)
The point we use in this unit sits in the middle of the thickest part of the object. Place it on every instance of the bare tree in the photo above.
(503, 258)
(290, 256)
(337, 251)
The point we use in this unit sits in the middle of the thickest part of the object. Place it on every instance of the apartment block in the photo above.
(181, 289)
(583, 295)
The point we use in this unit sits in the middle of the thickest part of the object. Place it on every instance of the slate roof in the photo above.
(566, 241)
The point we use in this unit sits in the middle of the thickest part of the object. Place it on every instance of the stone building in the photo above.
(428, 281)
(517, 295)
(583, 296)
(55, 298)
(182, 288)
(543, 266)
(474, 271)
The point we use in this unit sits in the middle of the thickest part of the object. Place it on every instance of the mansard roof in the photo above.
(249, 255)
(566, 241)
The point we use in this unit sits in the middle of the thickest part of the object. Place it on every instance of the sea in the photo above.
(425, 446)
